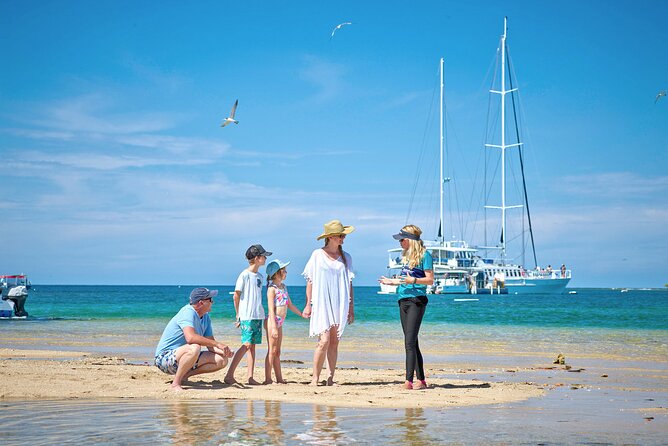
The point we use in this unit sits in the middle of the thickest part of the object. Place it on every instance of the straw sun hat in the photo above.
(335, 227)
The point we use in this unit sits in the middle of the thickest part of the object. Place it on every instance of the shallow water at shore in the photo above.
(369, 343)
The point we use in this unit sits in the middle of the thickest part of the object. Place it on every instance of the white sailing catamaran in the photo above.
(460, 268)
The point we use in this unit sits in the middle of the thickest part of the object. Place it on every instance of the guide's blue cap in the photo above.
(201, 294)
(403, 234)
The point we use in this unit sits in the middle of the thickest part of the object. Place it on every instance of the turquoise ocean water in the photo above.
(128, 320)
(589, 308)
(597, 328)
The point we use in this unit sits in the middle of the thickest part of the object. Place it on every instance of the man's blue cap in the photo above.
(200, 294)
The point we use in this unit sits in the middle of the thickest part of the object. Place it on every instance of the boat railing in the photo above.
(547, 274)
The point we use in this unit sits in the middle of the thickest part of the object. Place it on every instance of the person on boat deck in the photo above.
(329, 297)
(179, 351)
(473, 286)
(499, 280)
(417, 272)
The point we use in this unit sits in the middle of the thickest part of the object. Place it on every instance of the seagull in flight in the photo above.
(231, 119)
(339, 26)
(658, 96)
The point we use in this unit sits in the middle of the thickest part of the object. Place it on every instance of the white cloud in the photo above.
(405, 99)
(94, 114)
(615, 185)
(326, 76)
(177, 145)
(99, 161)
(41, 134)
(158, 77)
(87, 133)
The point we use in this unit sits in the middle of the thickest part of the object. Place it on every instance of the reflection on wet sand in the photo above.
(325, 428)
(191, 423)
(414, 427)
(272, 420)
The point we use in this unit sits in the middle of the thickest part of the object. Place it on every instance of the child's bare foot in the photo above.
(315, 383)
(251, 382)
(267, 382)
(330, 381)
(282, 381)
(177, 388)
(230, 380)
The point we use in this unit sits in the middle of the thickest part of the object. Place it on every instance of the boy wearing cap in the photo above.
(250, 312)
(179, 351)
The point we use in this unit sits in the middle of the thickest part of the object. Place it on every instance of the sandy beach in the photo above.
(46, 374)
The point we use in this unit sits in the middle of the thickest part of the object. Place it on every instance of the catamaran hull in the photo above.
(538, 286)
(524, 286)
(454, 289)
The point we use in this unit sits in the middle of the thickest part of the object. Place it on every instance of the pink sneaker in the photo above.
(422, 384)
(408, 385)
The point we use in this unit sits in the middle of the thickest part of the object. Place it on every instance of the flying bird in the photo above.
(658, 96)
(231, 119)
(339, 26)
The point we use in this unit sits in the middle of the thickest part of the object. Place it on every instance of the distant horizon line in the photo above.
(33, 285)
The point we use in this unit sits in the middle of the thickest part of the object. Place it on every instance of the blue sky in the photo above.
(115, 169)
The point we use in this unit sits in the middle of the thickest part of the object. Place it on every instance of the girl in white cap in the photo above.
(329, 296)
(278, 302)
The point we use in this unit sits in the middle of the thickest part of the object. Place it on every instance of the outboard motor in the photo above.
(18, 296)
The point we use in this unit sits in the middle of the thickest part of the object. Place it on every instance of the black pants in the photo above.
(411, 310)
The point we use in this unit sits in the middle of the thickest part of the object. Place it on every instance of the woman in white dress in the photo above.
(329, 296)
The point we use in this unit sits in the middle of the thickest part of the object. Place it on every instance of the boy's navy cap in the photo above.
(201, 294)
(255, 251)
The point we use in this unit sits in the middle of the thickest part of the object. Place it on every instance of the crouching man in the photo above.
(180, 352)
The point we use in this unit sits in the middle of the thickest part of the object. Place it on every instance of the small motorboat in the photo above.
(14, 292)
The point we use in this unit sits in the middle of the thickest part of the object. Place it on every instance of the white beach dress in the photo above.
(330, 291)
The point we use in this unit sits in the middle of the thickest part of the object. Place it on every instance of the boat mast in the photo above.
(503, 141)
(503, 145)
(442, 228)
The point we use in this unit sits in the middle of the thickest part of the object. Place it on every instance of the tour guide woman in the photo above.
(417, 272)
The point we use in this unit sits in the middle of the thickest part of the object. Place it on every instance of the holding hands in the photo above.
(306, 313)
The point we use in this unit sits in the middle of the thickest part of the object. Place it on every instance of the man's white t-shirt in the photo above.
(249, 285)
